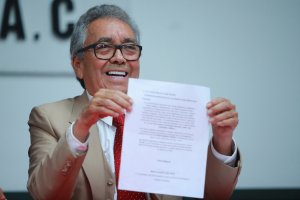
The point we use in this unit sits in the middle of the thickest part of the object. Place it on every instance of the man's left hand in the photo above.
(224, 119)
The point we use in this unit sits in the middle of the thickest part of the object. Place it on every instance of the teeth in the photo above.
(116, 73)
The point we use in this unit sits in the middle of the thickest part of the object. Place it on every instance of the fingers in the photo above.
(222, 112)
(111, 103)
(113, 100)
(219, 104)
(232, 122)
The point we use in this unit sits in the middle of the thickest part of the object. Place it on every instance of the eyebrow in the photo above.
(127, 40)
(107, 39)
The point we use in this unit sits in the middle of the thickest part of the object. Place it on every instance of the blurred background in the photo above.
(247, 51)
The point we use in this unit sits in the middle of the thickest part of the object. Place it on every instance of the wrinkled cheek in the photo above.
(135, 69)
(136, 73)
(136, 76)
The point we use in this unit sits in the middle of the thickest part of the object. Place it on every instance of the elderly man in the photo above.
(72, 152)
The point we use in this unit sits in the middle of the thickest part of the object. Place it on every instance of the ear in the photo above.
(77, 67)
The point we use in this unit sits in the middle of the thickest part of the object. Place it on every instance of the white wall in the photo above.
(247, 51)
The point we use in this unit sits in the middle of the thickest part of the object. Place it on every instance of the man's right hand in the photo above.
(105, 102)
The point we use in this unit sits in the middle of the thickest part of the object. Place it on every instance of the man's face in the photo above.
(98, 73)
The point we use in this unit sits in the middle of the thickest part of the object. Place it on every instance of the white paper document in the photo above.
(165, 139)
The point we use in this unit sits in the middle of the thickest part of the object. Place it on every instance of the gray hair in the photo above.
(103, 11)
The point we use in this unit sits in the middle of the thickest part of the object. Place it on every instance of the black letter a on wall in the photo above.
(12, 7)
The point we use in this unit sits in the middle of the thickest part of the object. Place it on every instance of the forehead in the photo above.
(114, 29)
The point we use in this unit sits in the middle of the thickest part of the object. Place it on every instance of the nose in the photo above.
(118, 58)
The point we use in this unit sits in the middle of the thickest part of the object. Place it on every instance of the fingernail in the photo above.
(129, 109)
(131, 101)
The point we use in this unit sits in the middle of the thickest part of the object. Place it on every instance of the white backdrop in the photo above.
(247, 51)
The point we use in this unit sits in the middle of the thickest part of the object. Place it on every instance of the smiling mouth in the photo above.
(117, 74)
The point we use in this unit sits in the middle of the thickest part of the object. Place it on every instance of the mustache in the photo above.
(116, 66)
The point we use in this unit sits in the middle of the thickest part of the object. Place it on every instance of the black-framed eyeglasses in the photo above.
(103, 51)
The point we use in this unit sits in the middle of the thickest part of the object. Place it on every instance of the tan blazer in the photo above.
(54, 173)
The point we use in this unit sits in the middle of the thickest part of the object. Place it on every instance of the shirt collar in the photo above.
(107, 120)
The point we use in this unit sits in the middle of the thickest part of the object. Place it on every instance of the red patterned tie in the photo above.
(118, 122)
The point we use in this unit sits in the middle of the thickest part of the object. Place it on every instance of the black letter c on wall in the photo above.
(55, 19)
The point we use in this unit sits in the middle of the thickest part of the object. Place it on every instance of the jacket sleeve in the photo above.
(52, 167)
(220, 179)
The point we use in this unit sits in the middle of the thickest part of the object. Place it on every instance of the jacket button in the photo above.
(110, 182)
